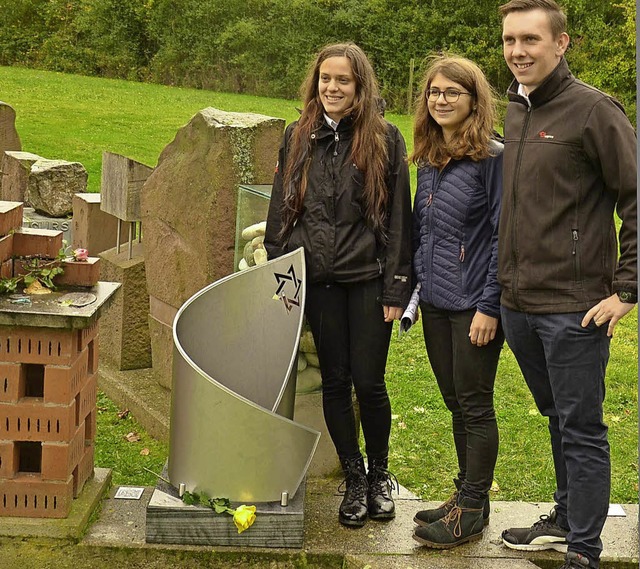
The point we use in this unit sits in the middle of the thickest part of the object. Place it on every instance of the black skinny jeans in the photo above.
(352, 339)
(466, 375)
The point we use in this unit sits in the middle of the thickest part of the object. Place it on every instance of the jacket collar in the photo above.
(556, 82)
(323, 130)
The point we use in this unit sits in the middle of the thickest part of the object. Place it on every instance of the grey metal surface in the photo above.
(234, 371)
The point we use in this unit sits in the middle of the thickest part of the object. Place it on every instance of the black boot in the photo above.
(463, 523)
(426, 517)
(353, 509)
(381, 504)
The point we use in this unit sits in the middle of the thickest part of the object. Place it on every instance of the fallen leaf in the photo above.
(132, 437)
(533, 411)
(402, 425)
(145, 452)
(494, 487)
(123, 414)
(419, 409)
(614, 419)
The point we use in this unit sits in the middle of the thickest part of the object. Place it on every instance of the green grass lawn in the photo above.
(76, 118)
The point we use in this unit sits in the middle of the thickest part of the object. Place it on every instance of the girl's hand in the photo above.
(483, 329)
(392, 313)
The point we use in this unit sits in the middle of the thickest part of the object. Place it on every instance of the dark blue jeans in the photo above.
(564, 366)
(466, 375)
(352, 340)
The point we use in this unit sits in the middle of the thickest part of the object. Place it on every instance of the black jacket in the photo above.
(569, 161)
(339, 246)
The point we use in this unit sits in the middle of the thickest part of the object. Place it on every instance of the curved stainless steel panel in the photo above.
(235, 361)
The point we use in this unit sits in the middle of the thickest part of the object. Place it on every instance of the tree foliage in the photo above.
(265, 46)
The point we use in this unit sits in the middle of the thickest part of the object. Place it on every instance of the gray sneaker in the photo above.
(544, 534)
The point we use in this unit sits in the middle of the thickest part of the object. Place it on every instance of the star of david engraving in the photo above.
(288, 288)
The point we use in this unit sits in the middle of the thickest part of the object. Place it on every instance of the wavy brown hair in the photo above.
(368, 150)
(557, 17)
(472, 137)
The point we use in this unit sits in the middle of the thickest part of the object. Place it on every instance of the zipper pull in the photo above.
(337, 139)
(462, 253)
(430, 199)
(574, 236)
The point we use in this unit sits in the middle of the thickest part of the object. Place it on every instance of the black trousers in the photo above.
(352, 339)
(564, 366)
(466, 375)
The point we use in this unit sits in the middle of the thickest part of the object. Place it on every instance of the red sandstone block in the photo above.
(32, 420)
(6, 247)
(80, 273)
(12, 379)
(63, 383)
(88, 334)
(6, 269)
(84, 471)
(10, 216)
(28, 496)
(8, 459)
(87, 399)
(38, 345)
(59, 460)
(45, 243)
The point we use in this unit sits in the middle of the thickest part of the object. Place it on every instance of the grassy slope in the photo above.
(76, 118)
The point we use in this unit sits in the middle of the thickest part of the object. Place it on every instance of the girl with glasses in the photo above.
(341, 192)
(455, 237)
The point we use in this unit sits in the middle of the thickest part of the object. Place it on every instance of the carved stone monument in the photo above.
(188, 211)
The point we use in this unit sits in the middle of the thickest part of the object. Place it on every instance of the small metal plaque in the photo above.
(77, 299)
(129, 493)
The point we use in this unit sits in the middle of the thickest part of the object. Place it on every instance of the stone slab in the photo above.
(16, 168)
(381, 545)
(45, 311)
(161, 336)
(34, 220)
(171, 521)
(122, 181)
(71, 527)
(93, 229)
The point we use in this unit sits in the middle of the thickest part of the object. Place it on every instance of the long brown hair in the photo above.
(473, 135)
(368, 150)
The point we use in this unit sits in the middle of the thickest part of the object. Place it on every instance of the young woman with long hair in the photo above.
(455, 237)
(341, 192)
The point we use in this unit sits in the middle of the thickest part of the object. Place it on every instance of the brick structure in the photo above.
(48, 383)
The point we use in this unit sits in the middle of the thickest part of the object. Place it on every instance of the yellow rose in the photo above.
(243, 517)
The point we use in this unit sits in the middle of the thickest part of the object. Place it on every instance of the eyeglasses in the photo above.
(450, 95)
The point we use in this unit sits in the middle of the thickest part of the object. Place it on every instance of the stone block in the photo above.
(29, 497)
(87, 334)
(161, 336)
(93, 229)
(11, 382)
(35, 421)
(122, 181)
(9, 138)
(63, 383)
(94, 350)
(52, 185)
(190, 242)
(16, 168)
(10, 216)
(59, 460)
(43, 243)
(79, 273)
(125, 340)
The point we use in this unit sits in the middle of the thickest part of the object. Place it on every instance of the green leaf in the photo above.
(220, 505)
(190, 499)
